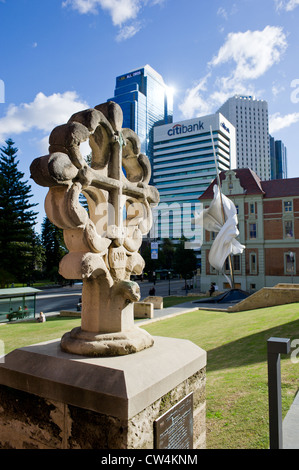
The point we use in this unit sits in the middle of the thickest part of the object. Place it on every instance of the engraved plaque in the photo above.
(174, 429)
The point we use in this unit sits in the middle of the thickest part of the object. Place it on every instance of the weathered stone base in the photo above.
(109, 344)
(53, 400)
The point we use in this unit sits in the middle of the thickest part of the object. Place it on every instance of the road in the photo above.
(66, 298)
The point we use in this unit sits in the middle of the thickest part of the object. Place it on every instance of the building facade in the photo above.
(278, 156)
(146, 101)
(184, 166)
(250, 118)
(268, 216)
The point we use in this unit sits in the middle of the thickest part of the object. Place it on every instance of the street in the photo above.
(66, 298)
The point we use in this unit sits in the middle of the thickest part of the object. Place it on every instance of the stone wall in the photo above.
(31, 422)
(268, 297)
(50, 399)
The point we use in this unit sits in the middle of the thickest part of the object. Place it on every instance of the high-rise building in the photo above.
(146, 101)
(278, 156)
(184, 166)
(250, 118)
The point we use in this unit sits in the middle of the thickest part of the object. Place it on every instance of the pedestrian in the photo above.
(152, 291)
(41, 318)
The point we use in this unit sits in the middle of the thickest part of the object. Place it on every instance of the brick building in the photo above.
(268, 216)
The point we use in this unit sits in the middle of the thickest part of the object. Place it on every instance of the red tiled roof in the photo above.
(253, 185)
(248, 180)
(281, 188)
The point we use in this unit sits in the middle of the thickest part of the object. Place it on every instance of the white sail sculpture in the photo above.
(221, 217)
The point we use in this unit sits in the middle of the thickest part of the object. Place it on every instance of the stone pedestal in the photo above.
(50, 399)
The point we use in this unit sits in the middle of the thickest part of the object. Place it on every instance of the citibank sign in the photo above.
(178, 129)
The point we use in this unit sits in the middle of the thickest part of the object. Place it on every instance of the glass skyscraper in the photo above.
(278, 154)
(146, 102)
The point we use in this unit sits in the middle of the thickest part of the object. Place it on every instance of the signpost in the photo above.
(154, 250)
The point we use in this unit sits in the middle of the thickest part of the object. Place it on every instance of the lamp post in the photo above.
(169, 283)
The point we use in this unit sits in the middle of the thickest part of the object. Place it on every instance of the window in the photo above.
(289, 263)
(288, 229)
(253, 263)
(252, 208)
(236, 262)
(212, 270)
(288, 206)
(252, 231)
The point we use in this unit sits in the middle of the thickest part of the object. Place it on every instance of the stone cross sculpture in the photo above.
(103, 240)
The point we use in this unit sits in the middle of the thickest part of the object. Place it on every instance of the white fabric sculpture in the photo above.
(225, 242)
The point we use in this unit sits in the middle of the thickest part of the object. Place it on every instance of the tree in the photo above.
(185, 261)
(54, 246)
(17, 219)
(167, 254)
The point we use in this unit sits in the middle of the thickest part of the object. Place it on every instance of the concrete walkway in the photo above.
(290, 426)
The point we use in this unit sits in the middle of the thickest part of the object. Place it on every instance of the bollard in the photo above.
(275, 347)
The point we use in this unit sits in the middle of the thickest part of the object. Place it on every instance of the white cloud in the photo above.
(121, 12)
(245, 57)
(42, 114)
(222, 12)
(278, 122)
(128, 32)
(194, 101)
(253, 52)
(287, 5)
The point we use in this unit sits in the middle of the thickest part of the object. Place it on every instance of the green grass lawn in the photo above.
(237, 384)
(236, 345)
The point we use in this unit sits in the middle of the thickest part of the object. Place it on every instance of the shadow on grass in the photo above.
(250, 349)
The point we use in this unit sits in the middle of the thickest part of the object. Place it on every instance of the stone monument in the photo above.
(86, 390)
(103, 240)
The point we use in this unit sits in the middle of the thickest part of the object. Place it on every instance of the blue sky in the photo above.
(62, 56)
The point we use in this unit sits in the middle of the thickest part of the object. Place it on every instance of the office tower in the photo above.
(278, 156)
(146, 101)
(250, 118)
(184, 166)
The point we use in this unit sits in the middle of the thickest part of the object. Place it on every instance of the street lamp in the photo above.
(169, 283)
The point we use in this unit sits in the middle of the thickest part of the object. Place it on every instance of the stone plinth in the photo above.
(143, 310)
(155, 300)
(50, 399)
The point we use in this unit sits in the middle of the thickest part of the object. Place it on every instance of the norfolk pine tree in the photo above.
(17, 219)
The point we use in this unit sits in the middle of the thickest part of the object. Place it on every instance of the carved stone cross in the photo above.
(103, 240)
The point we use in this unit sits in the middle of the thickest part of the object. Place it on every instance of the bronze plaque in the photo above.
(174, 429)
